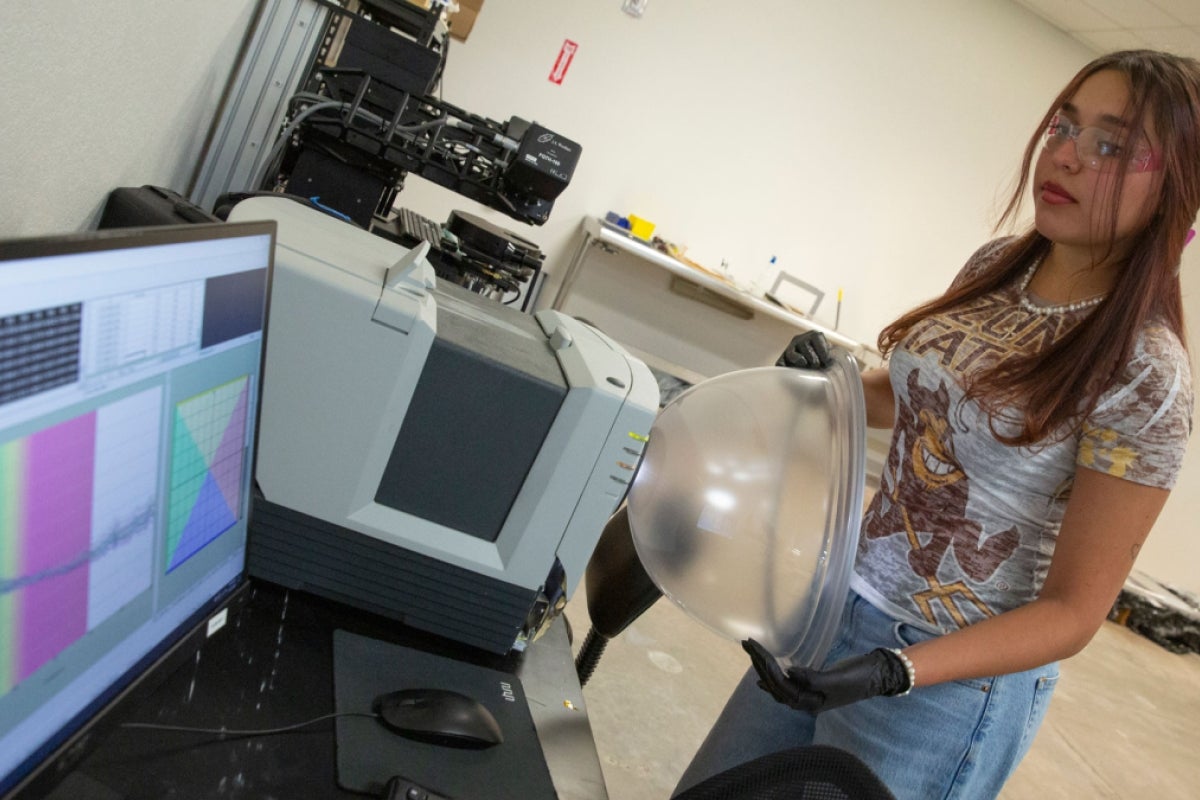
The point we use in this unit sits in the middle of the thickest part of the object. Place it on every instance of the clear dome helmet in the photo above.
(747, 505)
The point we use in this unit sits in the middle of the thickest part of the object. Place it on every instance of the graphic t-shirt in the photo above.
(963, 526)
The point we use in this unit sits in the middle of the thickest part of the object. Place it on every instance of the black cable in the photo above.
(442, 69)
(226, 732)
(589, 655)
(322, 103)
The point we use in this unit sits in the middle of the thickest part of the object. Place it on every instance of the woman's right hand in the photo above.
(807, 350)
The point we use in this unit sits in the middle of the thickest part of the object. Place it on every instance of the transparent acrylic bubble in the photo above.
(746, 508)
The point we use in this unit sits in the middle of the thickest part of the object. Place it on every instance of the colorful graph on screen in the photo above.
(208, 455)
(77, 514)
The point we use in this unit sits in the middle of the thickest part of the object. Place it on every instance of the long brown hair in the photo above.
(1057, 388)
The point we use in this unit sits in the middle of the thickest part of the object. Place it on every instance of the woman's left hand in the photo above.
(879, 672)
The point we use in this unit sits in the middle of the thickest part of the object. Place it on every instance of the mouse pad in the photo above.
(369, 754)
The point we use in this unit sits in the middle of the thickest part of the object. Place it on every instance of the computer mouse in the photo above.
(439, 716)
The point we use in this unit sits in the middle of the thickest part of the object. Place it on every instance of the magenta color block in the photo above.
(56, 523)
(227, 461)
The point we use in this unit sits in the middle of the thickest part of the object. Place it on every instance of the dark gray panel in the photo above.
(479, 414)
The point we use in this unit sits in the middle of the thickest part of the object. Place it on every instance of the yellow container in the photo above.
(641, 228)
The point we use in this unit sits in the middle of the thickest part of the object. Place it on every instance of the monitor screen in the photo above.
(129, 376)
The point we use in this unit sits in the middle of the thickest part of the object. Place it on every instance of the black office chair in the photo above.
(816, 772)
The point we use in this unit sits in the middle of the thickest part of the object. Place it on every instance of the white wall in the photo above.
(862, 142)
(105, 93)
(865, 143)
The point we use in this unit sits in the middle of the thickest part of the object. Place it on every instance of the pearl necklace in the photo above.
(1063, 308)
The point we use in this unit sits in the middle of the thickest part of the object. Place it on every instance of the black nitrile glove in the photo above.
(879, 672)
(807, 350)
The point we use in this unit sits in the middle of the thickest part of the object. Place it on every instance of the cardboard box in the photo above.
(463, 20)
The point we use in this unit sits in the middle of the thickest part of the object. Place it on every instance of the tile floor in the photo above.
(1124, 722)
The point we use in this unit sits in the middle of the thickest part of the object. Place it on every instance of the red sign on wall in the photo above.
(564, 60)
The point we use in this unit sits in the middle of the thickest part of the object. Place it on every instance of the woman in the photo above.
(1041, 409)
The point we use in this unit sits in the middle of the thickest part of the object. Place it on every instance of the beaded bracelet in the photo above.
(908, 668)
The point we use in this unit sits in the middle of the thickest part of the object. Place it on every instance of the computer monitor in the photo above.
(129, 381)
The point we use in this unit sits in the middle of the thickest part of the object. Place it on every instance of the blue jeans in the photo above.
(954, 741)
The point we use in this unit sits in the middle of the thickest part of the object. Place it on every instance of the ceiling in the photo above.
(1105, 25)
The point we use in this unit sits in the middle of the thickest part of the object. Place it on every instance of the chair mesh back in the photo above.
(804, 773)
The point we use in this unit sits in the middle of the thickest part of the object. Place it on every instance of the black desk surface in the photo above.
(272, 666)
